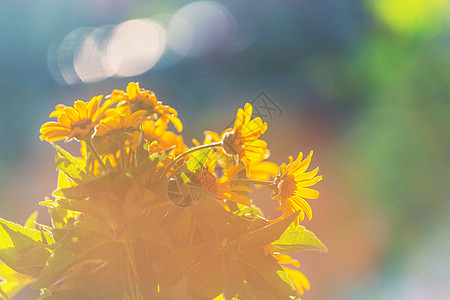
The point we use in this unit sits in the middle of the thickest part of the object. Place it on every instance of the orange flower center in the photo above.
(207, 180)
(287, 186)
(82, 124)
(232, 143)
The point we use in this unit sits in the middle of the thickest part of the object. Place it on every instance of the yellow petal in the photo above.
(298, 279)
(286, 259)
(80, 106)
(132, 90)
(308, 193)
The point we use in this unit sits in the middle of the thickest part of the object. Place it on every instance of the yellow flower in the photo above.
(243, 140)
(75, 122)
(292, 186)
(118, 122)
(220, 188)
(166, 139)
(141, 99)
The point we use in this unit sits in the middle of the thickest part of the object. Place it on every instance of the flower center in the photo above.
(207, 180)
(287, 186)
(232, 143)
(82, 124)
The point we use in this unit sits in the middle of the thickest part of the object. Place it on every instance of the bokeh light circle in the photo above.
(135, 46)
(199, 28)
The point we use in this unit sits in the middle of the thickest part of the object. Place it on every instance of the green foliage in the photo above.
(297, 239)
(71, 166)
(194, 164)
(23, 253)
(122, 235)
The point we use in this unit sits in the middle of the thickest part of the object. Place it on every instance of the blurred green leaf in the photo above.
(71, 166)
(298, 239)
(73, 252)
(262, 272)
(13, 281)
(36, 256)
(16, 240)
(205, 279)
(265, 235)
(30, 222)
(252, 212)
(233, 276)
(194, 164)
(284, 276)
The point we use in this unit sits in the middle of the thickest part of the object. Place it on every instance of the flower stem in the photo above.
(179, 157)
(95, 153)
(252, 181)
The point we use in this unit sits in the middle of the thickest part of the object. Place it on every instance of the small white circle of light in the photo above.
(135, 46)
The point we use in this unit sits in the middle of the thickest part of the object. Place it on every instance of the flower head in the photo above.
(221, 188)
(75, 122)
(116, 122)
(291, 187)
(243, 139)
(141, 99)
(157, 131)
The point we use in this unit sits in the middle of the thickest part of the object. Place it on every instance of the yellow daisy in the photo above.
(243, 140)
(141, 99)
(76, 122)
(291, 187)
(118, 122)
(220, 188)
(166, 139)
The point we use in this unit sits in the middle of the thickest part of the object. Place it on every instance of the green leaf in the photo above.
(146, 167)
(194, 164)
(71, 166)
(141, 154)
(15, 240)
(145, 226)
(75, 192)
(48, 203)
(36, 256)
(233, 276)
(262, 271)
(30, 222)
(284, 276)
(296, 240)
(205, 279)
(64, 181)
(215, 223)
(13, 281)
(70, 253)
(265, 235)
(251, 212)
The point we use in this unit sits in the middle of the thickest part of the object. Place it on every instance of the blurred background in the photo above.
(365, 84)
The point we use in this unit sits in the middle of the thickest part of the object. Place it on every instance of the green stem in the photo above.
(192, 150)
(252, 181)
(94, 152)
(123, 156)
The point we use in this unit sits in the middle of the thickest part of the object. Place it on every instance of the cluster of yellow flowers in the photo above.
(139, 114)
(133, 188)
